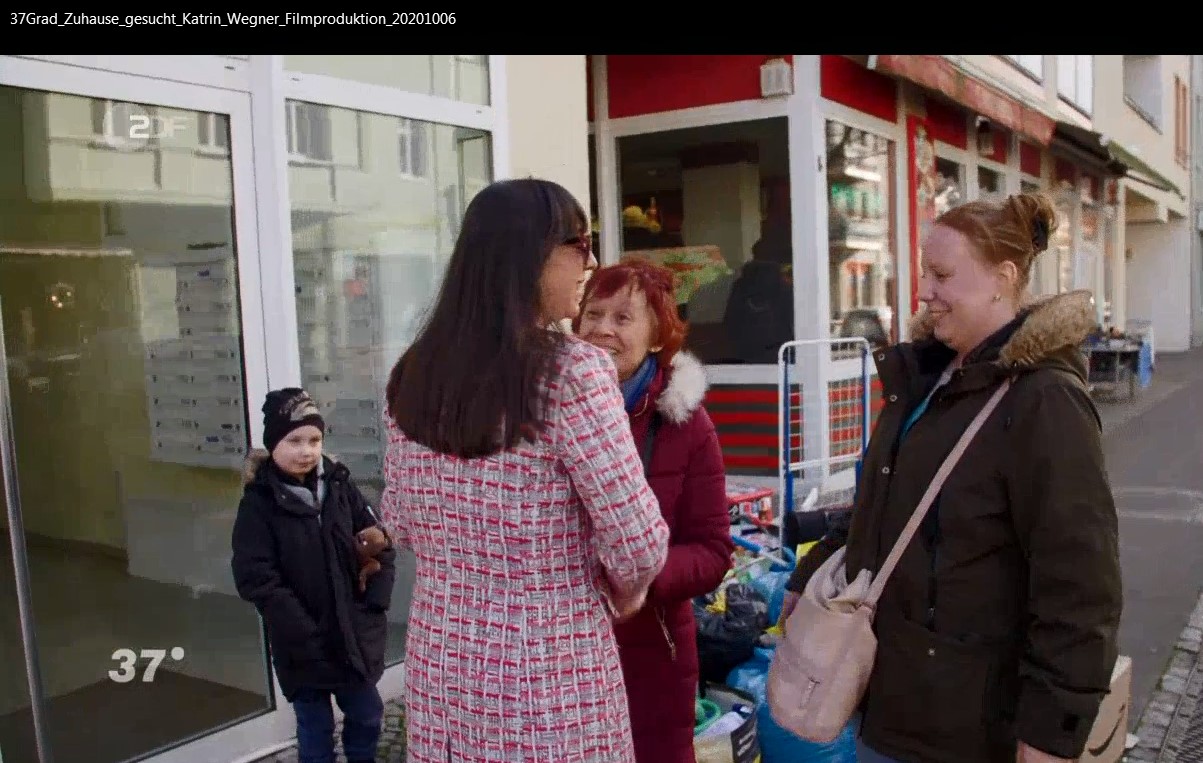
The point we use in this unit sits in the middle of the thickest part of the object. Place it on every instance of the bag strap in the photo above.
(908, 532)
(653, 425)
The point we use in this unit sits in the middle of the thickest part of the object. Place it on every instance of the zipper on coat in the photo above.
(672, 645)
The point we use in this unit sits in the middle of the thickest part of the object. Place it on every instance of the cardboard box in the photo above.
(1109, 734)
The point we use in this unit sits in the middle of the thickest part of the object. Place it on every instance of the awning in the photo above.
(1144, 173)
(1086, 147)
(1118, 160)
(942, 75)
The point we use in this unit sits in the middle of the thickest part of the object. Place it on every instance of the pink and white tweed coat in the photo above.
(511, 656)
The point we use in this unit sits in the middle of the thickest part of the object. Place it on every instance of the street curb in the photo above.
(1169, 712)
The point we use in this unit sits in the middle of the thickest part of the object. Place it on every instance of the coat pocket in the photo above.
(371, 630)
(929, 687)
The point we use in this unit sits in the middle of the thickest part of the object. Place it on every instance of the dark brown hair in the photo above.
(473, 381)
(656, 283)
(1014, 230)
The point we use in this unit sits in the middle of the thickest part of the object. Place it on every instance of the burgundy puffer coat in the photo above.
(658, 646)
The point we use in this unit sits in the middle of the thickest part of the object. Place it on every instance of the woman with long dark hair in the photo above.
(512, 474)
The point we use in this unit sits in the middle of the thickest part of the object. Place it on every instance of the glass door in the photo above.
(123, 290)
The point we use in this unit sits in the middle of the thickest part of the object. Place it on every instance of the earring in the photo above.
(997, 297)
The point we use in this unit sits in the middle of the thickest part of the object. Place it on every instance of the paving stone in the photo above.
(390, 748)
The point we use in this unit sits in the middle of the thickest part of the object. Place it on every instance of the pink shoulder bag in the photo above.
(823, 662)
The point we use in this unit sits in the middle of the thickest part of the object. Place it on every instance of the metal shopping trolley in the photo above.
(825, 404)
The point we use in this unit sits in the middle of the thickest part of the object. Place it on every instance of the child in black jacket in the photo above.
(295, 558)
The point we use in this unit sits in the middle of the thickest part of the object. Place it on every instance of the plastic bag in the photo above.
(727, 638)
(771, 586)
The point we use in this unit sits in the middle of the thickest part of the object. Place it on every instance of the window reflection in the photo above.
(950, 185)
(990, 185)
(372, 229)
(1062, 243)
(1038, 283)
(461, 78)
(862, 258)
(712, 203)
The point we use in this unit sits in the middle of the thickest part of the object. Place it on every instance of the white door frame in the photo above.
(269, 729)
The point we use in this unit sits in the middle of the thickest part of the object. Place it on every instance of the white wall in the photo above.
(1159, 251)
(548, 120)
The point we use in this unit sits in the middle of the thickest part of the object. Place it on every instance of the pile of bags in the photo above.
(736, 643)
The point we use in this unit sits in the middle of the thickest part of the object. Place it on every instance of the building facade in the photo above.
(179, 234)
(1147, 124)
(823, 172)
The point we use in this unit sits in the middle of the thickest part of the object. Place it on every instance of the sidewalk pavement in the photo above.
(391, 748)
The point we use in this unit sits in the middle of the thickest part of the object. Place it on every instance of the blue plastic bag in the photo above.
(771, 585)
(778, 745)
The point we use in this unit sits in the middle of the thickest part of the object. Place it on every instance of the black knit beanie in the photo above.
(285, 410)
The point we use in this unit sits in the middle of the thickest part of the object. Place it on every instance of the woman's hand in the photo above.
(626, 607)
(1029, 754)
(623, 606)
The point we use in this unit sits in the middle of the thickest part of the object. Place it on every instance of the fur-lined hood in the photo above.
(687, 385)
(257, 457)
(1050, 324)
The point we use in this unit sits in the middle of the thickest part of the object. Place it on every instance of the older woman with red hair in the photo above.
(629, 310)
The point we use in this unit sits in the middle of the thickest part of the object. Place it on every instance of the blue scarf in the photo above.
(634, 388)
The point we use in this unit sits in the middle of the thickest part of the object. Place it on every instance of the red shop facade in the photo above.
(804, 185)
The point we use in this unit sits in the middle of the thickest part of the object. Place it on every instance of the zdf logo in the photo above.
(129, 126)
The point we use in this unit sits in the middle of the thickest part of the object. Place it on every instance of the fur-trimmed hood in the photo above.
(257, 457)
(1049, 324)
(250, 465)
(686, 388)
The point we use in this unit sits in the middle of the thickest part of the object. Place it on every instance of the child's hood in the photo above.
(255, 460)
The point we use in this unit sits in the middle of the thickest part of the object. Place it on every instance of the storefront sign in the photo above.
(941, 75)
(922, 185)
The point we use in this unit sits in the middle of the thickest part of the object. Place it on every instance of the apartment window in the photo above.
(1181, 122)
(308, 127)
(113, 122)
(1075, 81)
(1142, 87)
(412, 148)
(213, 133)
(1032, 65)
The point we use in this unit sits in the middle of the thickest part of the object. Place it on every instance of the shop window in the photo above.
(1062, 242)
(1075, 81)
(1036, 282)
(712, 203)
(991, 185)
(950, 185)
(862, 259)
(460, 78)
(412, 148)
(369, 251)
(1032, 65)
(307, 127)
